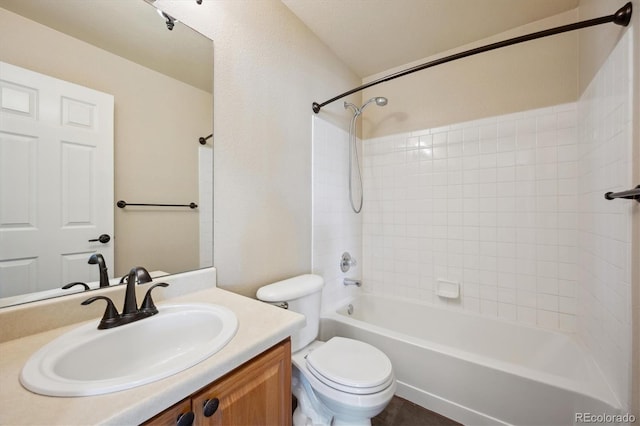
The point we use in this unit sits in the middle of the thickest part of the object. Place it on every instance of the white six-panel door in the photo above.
(56, 180)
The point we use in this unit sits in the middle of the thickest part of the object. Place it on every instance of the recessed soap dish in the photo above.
(448, 289)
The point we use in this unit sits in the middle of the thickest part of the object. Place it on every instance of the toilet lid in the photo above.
(351, 366)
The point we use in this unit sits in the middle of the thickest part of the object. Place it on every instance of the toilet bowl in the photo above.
(353, 392)
(339, 382)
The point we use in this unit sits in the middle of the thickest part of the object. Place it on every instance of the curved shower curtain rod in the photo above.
(621, 17)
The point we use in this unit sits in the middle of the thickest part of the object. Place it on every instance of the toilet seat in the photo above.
(350, 366)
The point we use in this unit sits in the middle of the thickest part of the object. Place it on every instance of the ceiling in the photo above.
(372, 36)
(132, 30)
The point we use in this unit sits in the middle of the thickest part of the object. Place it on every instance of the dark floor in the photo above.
(401, 412)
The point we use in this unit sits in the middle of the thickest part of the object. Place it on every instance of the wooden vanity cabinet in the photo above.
(256, 393)
(172, 415)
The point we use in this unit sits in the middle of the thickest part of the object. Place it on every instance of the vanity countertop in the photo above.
(260, 327)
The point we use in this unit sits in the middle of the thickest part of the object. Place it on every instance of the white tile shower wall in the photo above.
(490, 203)
(336, 228)
(604, 164)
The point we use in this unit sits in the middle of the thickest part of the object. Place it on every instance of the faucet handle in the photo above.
(346, 261)
(110, 314)
(141, 276)
(147, 303)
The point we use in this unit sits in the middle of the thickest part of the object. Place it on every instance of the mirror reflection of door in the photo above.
(56, 180)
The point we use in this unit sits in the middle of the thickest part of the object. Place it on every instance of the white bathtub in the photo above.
(477, 370)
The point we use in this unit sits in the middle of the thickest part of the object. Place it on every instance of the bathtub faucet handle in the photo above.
(349, 281)
(346, 262)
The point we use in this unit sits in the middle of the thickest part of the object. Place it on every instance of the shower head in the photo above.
(379, 100)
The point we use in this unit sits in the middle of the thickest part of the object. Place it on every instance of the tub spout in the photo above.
(349, 281)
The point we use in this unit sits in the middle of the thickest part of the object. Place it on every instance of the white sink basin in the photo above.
(87, 361)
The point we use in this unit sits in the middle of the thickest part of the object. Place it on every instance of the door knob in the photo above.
(104, 239)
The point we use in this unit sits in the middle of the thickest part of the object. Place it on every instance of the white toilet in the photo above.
(338, 382)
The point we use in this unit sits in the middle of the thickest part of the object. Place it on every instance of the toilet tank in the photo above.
(302, 294)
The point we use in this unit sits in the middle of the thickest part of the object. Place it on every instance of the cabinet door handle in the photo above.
(185, 419)
(210, 406)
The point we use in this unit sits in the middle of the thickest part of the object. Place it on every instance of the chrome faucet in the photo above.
(349, 281)
(130, 310)
(97, 258)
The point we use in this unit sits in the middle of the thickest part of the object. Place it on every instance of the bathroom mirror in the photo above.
(161, 82)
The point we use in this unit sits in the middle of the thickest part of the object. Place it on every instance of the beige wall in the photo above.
(268, 69)
(156, 134)
(596, 43)
(530, 75)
